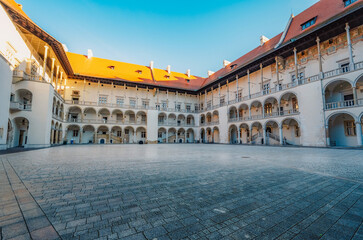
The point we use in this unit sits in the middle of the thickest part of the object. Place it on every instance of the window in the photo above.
(308, 23)
(188, 107)
(222, 101)
(300, 75)
(266, 88)
(120, 101)
(239, 95)
(344, 67)
(127, 131)
(143, 134)
(209, 104)
(132, 103)
(102, 99)
(348, 2)
(75, 133)
(297, 131)
(160, 134)
(349, 127)
(145, 103)
(196, 107)
(177, 106)
(119, 133)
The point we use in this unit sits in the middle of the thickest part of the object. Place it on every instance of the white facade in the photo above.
(321, 107)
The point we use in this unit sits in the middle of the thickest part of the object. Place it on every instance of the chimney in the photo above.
(188, 72)
(20, 6)
(168, 69)
(65, 47)
(226, 63)
(263, 39)
(210, 73)
(90, 54)
(151, 65)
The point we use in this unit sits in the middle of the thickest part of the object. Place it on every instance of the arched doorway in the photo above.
(129, 135)
(73, 134)
(141, 135)
(190, 136)
(233, 134)
(181, 135)
(291, 131)
(103, 135)
(172, 135)
(342, 130)
(162, 135)
(244, 133)
(272, 133)
(289, 104)
(116, 135)
(339, 94)
(21, 129)
(88, 134)
(216, 135)
(257, 133)
(202, 135)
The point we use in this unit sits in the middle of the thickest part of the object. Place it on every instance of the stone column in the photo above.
(237, 98)
(359, 133)
(264, 135)
(213, 135)
(56, 79)
(135, 137)
(319, 58)
(96, 137)
(277, 74)
(205, 99)
(52, 71)
(57, 137)
(249, 84)
(261, 69)
(239, 135)
(45, 60)
(80, 135)
(166, 136)
(296, 67)
(327, 135)
(355, 98)
(52, 137)
(281, 135)
(351, 61)
(250, 137)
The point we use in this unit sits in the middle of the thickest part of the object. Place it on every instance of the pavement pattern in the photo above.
(181, 191)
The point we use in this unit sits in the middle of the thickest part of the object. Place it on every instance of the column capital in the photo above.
(53, 59)
(295, 50)
(46, 47)
(347, 27)
(317, 40)
(248, 71)
(358, 123)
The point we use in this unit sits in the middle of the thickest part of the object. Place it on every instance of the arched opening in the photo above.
(141, 135)
(129, 135)
(9, 136)
(257, 133)
(74, 114)
(181, 135)
(289, 104)
(104, 114)
(181, 120)
(190, 120)
(216, 135)
(256, 110)
(243, 111)
(209, 118)
(232, 114)
(117, 116)
(359, 90)
(215, 117)
(339, 94)
(271, 107)
(202, 135)
(233, 134)
(162, 135)
(88, 134)
(162, 119)
(73, 134)
(89, 115)
(130, 117)
(202, 119)
(23, 99)
(209, 135)
(190, 136)
(103, 135)
(116, 135)
(291, 132)
(244, 133)
(272, 133)
(21, 129)
(343, 130)
(172, 135)
(141, 118)
(172, 119)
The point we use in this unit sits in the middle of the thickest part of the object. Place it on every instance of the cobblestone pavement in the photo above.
(181, 192)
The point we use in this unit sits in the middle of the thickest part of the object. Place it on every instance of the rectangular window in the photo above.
(344, 68)
(196, 107)
(239, 95)
(143, 134)
(348, 2)
(132, 103)
(222, 101)
(300, 76)
(350, 129)
(308, 23)
(120, 101)
(164, 104)
(189, 108)
(209, 104)
(266, 88)
(75, 133)
(127, 131)
(160, 135)
(102, 99)
(145, 103)
(119, 133)
(177, 106)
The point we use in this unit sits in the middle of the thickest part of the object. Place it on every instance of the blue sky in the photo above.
(196, 35)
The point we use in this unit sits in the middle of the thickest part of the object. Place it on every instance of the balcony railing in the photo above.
(267, 115)
(343, 104)
(23, 76)
(20, 106)
(103, 121)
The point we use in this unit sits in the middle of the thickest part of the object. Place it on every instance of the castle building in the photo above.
(301, 87)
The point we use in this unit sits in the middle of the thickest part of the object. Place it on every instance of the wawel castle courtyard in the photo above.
(267, 147)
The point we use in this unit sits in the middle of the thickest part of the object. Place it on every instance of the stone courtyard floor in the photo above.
(181, 192)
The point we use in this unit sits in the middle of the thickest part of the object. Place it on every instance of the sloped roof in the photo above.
(115, 70)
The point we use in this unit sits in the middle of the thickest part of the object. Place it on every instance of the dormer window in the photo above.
(308, 23)
(111, 67)
(167, 76)
(233, 66)
(139, 71)
(348, 2)
(188, 80)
